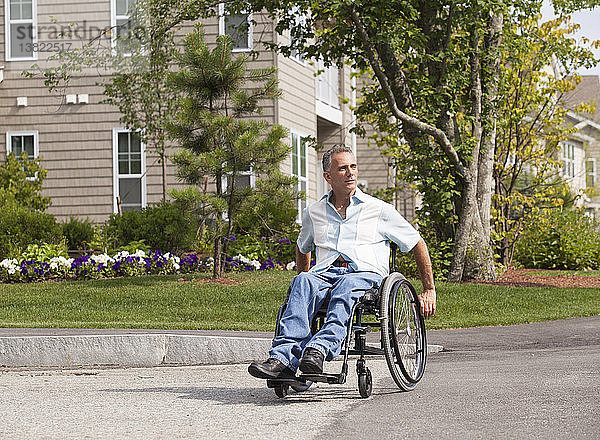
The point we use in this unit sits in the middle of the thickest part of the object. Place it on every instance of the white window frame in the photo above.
(568, 159)
(592, 174)
(36, 147)
(250, 29)
(116, 175)
(7, 35)
(300, 204)
(34, 133)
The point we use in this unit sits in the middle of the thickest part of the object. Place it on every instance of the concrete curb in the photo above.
(133, 350)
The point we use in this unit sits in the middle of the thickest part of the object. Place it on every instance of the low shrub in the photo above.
(78, 233)
(20, 227)
(164, 227)
(560, 239)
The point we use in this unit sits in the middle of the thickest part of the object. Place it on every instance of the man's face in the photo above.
(343, 173)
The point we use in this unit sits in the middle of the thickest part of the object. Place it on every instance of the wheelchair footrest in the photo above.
(298, 382)
(328, 378)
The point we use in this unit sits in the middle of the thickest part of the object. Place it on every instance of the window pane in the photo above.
(21, 10)
(28, 145)
(242, 181)
(130, 191)
(136, 164)
(122, 7)
(294, 154)
(136, 144)
(17, 145)
(123, 28)
(123, 142)
(237, 27)
(124, 167)
(21, 40)
(303, 158)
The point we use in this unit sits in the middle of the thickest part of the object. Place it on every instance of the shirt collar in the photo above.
(359, 196)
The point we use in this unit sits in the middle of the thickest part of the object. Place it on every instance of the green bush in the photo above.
(20, 227)
(566, 239)
(44, 252)
(78, 233)
(164, 227)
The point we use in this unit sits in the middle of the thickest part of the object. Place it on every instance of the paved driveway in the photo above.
(531, 381)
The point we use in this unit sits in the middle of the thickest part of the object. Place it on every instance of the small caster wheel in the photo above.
(281, 390)
(365, 384)
(302, 388)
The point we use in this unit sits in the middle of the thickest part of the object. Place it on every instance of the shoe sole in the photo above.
(260, 374)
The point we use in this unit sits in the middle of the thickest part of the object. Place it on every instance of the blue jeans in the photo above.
(307, 293)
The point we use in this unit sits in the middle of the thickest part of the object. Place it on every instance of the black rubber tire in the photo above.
(281, 390)
(302, 388)
(365, 384)
(403, 333)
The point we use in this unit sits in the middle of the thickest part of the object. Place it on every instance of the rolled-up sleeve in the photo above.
(305, 240)
(395, 228)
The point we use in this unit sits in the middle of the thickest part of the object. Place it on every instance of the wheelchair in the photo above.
(403, 342)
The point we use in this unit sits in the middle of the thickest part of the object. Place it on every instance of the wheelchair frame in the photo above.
(395, 304)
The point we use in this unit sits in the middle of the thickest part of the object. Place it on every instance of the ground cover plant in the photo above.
(250, 300)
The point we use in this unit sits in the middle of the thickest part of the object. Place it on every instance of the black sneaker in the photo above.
(312, 361)
(270, 369)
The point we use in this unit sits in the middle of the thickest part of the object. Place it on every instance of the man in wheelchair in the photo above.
(351, 232)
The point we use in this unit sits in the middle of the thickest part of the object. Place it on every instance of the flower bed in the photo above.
(121, 264)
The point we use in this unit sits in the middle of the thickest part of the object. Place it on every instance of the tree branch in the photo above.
(423, 127)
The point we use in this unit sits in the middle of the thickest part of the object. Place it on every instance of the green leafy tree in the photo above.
(21, 182)
(437, 68)
(219, 140)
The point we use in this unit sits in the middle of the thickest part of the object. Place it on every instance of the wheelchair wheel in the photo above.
(365, 384)
(281, 390)
(402, 331)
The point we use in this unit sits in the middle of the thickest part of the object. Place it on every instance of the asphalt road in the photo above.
(530, 381)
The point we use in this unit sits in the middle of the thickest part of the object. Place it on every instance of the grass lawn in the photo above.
(166, 303)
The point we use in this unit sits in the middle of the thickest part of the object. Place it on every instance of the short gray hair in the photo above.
(333, 150)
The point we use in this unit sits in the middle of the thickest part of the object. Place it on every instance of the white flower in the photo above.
(291, 265)
(255, 264)
(101, 259)
(11, 271)
(176, 266)
(139, 253)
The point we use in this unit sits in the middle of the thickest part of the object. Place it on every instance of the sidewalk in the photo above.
(25, 347)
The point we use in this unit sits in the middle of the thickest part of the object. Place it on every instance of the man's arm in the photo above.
(427, 298)
(302, 261)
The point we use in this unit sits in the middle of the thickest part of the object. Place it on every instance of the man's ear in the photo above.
(327, 177)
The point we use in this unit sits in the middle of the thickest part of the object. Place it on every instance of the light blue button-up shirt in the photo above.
(362, 238)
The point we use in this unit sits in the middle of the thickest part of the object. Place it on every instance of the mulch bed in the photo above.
(528, 278)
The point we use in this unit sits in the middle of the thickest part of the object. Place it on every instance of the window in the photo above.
(20, 142)
(244, 179)
(299, 167)
(328, 84)
(590, 172)
(120, 21)
(568, 159)
(129, 164)
(21, 37)
(238, 27)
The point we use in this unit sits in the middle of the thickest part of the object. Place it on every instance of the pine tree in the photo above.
(219, 141)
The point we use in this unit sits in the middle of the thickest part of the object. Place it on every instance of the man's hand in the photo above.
(427, 300)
